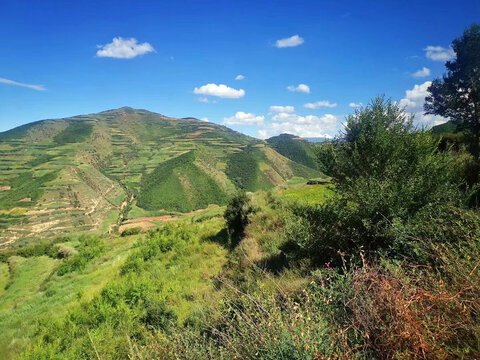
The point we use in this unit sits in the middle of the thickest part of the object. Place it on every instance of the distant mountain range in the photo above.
(100, 171)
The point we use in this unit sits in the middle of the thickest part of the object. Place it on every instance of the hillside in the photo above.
(294, 148)
(445, 128)
(100, 171)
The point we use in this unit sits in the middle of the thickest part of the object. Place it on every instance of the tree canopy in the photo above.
(457, 94)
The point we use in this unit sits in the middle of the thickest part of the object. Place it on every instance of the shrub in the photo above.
(131, 231)
(385, 172)
(90, 248)
(236, 217)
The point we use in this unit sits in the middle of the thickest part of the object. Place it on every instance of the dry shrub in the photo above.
(410, 312)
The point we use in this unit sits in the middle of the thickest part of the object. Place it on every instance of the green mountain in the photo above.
(448, 127)
(294, 148)
(102, 171)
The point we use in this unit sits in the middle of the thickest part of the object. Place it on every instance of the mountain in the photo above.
(447, 127)
(318, 139)
(101, 171)
(294, 148)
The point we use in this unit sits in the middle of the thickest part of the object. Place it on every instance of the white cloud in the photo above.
(355, 105)
(439, 53)
(239, 77)
(304, 126)
(278, 109)
(11, 82)
(221, 90)
(413, 102)
(424, 72)
(300, 88)
(241, 118)
(292, 41)
(121, 48)
(206, 100)
(318, 104)
(204, 119)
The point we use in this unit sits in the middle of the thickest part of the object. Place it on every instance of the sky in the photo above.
(259, 67)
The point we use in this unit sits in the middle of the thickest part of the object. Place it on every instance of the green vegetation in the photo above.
(25, 187)
(88, 249)
(378, 261)
(294, 148)
(179, 185)
(76, 131)
(236, 217)
(243, 170)
(95, 172)
(308, 195)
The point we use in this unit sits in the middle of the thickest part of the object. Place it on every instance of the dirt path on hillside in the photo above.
(147, 222)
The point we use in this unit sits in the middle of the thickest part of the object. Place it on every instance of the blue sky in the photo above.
(345, 52)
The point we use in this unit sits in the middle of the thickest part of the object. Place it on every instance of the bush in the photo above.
(90, 248)
(385, 172)
(236, 217)
(131, 231)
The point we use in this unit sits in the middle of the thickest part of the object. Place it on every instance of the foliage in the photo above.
(236, 217)
(385, 172)
(243, 170)
(25, 186)
(131, 231)
(294, 148)
(457, 94)
(143, 303)
(90, 248)
(76, 131)
(178, 184)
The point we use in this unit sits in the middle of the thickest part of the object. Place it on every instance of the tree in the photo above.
(457, 94)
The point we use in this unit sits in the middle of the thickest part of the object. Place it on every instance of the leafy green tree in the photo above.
(457, 94)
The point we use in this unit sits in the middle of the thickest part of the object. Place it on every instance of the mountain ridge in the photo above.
(96, 171)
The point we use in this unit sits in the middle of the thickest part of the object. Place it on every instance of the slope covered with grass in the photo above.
(294, 148)
(94, 172)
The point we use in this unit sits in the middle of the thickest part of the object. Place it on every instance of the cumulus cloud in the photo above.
(439, 53)
(413, 103)
(239, 77)
(319, 104)
(16, 83)
(242, 118)
(278, 109)
(292, 41)
(121, 48)
(221, 90)
(424, 72)
(299, 88)
(355, 105)
(204, 119)
(304, 126)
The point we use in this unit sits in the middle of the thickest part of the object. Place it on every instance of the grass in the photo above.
(168, 275)
(308, 194)
(36, 292)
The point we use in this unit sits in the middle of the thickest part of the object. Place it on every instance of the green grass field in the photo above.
(308, 194)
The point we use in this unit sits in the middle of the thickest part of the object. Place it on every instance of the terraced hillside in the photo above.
(294, 148)
(105, 171)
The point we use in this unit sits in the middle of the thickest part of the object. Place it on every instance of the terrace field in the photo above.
(97, 172)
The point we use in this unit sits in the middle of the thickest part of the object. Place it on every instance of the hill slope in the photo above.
(93, 172)
(294, 148)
